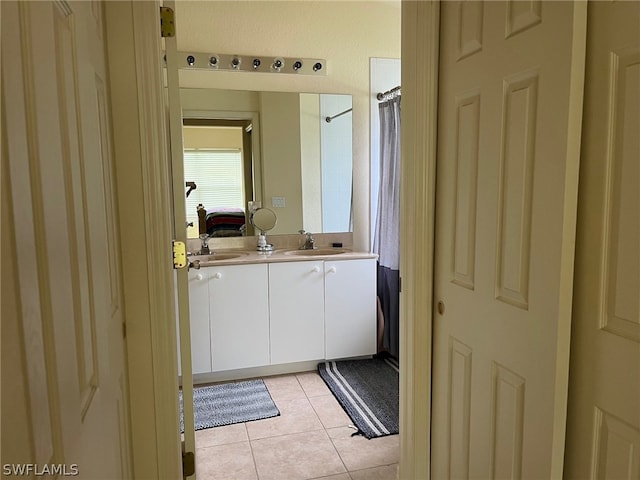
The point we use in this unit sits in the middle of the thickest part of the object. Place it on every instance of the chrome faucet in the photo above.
(204, 246)
(309, 243)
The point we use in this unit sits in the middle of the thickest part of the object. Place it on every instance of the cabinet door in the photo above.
(239, 312)
(199, 316)
(350, 308)
(296, 295)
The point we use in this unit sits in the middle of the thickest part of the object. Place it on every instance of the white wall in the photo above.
(212, 137)
(347, 34)
(310, 162)
(281, 170)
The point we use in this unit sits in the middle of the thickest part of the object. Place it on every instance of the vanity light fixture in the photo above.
(253, 63)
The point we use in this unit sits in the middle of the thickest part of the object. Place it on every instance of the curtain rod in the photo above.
(383, 96)
(328, 119)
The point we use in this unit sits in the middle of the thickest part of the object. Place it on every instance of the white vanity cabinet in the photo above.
(350, 308)
(296, 308)
(266, 315)
(199, 316)
(238, 309)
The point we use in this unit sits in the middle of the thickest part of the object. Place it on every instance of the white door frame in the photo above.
(155, 434)
(420, 49)
(144, 199)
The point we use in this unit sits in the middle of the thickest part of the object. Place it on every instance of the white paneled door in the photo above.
(62, 324)
(510, 106)
(603, 434)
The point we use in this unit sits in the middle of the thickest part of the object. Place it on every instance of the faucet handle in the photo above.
(311, 242)
(301, 232)
(204, 244)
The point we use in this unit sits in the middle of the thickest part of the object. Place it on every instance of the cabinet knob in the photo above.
(316, 269)
(217, 275)
(199, 276)
(332, 270)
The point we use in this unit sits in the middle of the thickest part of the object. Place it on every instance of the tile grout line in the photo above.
(285, 434)
(253, 457)
(282, 434)
(324, 429)
(308, 397)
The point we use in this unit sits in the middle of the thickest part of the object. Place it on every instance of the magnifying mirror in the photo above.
(263, 220)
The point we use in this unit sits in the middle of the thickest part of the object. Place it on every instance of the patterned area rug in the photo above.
(368, 390)
(230, 403)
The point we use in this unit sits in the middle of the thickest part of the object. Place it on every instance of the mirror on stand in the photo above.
(263, 220)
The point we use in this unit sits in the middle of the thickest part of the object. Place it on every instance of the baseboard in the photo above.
(258, 372)
(254, 372)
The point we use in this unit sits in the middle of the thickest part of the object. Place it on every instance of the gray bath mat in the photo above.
(368, 390)
(230, 403)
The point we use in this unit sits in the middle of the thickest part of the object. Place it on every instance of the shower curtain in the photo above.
(386, 240)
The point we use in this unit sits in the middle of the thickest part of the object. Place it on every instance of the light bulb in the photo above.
(278, 64)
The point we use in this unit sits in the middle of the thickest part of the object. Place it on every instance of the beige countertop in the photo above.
(244, 257)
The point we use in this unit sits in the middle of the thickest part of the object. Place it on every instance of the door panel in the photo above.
(296, 327)
(350, 308)
(509, 119)
(57, 167)
(603, 433)
(239, 337)
(199, 321)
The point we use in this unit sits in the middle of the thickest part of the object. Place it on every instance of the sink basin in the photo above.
(317, 252)
(216, 257)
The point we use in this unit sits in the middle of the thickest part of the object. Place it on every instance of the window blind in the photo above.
(218, 176)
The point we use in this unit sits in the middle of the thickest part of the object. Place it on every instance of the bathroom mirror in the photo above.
(263, 219)
(292, 159)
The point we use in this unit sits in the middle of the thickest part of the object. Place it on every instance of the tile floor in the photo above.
(311, 439)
